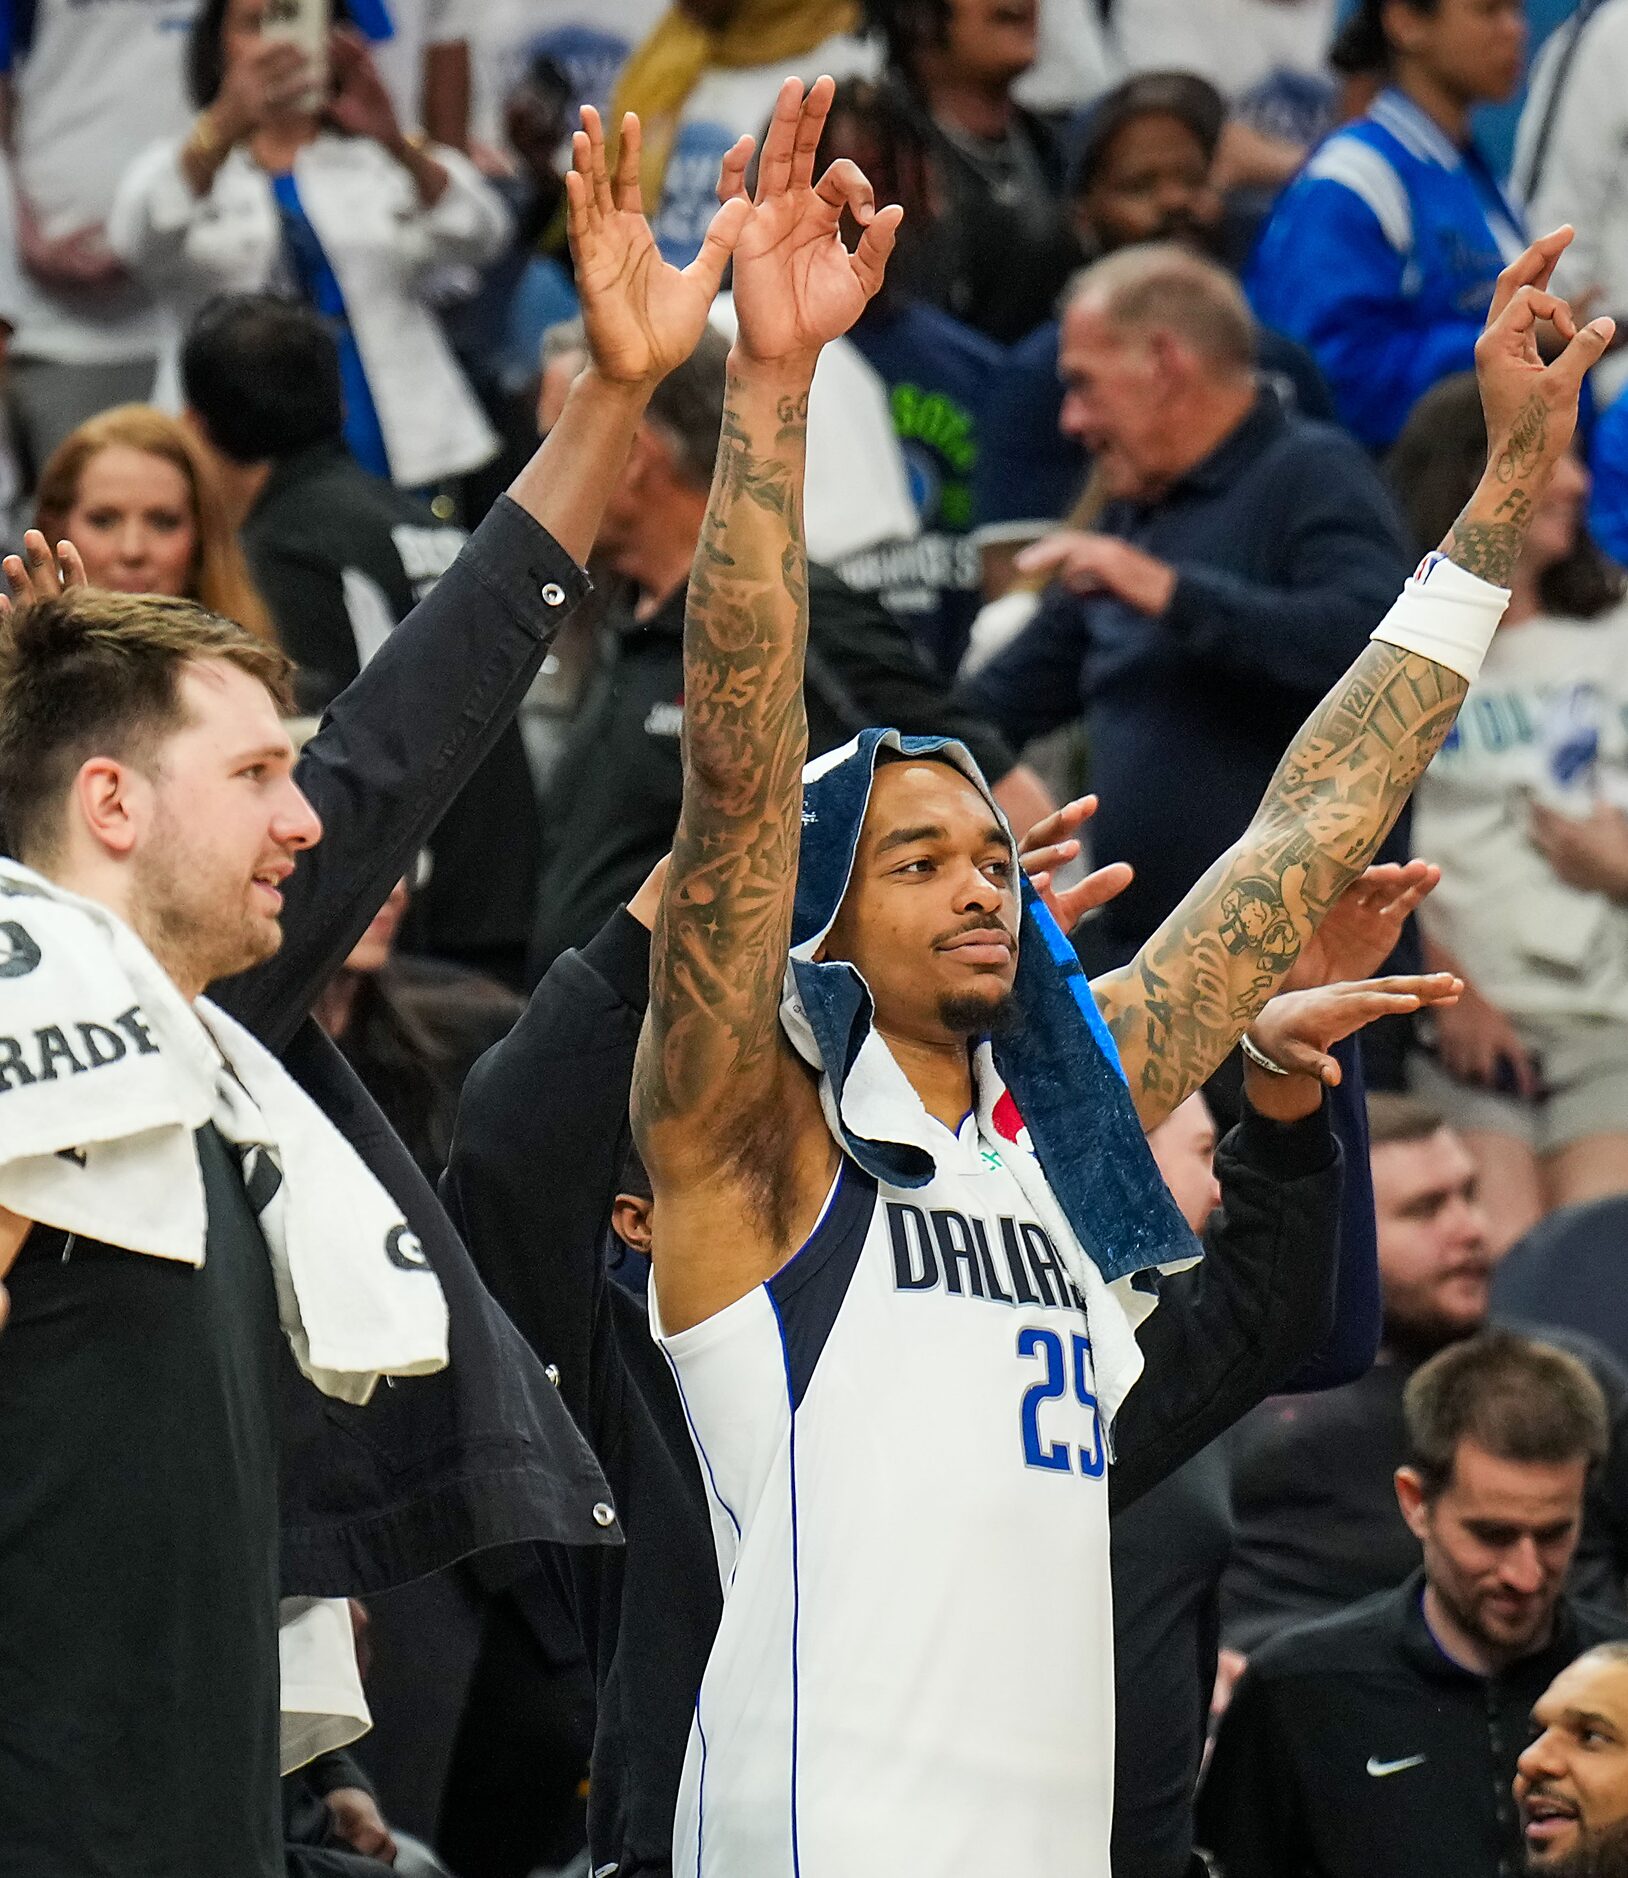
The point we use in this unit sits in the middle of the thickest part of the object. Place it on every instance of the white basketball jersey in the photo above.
(908, 1480)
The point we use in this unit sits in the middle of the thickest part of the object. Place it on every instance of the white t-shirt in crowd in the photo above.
(589, 43)
(726, 105)
(419, 24)
(100, 81)
(1547, 719)
(1236, 44)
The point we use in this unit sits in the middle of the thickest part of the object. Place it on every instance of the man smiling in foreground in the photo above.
(1572, 1783)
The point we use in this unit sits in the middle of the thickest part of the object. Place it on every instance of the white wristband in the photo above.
(1445, 614)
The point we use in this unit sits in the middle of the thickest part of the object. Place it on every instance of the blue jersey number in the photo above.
(1061, 1369)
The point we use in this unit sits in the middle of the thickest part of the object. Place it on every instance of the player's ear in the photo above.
(631, 1217)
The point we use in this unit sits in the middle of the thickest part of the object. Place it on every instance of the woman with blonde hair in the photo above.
(135, 493)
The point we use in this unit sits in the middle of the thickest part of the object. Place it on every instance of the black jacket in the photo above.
(341, 556)
(614, 806)
(481, 1455)
(1353, 1748)
(554, 1095)
(1317, 1524)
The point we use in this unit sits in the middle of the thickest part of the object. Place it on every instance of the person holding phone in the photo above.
(297, 176)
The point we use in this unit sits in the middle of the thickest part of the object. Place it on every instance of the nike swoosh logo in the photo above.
(1379, 1769)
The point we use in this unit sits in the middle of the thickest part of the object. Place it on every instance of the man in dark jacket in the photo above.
(1383, 1742)
(1243, 559)
(614, 805)
(1317, 1521)
(342, 557)
(477, 1457)
(554, 1095)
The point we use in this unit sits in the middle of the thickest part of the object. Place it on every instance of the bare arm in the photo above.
(726, 1120)
(447, 93)
(1183, 1002)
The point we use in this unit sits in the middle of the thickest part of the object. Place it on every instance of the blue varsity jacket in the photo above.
(1380, 258)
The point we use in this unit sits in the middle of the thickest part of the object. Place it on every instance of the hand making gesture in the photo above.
(38, 574)
(642, 315)
(796, 285)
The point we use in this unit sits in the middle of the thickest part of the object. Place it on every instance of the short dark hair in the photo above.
(263, 374)
(206, 49)
(1362, 46)
(1394, 1118)
(1518, 1399)
(98, 674)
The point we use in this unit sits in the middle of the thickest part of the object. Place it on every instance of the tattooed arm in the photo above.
(727, 1120)
(1183, 1002)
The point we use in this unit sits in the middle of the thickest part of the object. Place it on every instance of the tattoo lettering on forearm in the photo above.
(719, 950)
(1523, 451)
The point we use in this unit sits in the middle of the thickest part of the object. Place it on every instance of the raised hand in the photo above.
(796, 286)
(1052, 843)
(1298, 1028)
(361, 101)
(1530, 403)
(37, 574)
(642, 315)
(1362, 927)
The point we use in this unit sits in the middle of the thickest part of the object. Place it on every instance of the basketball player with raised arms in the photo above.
(906, 1228)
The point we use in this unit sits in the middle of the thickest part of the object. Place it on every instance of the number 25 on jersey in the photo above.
(1066, 1374)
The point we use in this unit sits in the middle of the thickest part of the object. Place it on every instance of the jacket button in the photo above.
(552, 1372)
(554, 594)
(603, 1516)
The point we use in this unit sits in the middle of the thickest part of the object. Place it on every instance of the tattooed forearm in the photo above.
(1184, 1001)
(719, 949)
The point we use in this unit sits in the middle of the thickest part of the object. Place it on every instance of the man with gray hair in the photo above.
(612, 809)
(1241, 559)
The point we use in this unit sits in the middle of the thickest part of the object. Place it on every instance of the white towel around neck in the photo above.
(107, 1074)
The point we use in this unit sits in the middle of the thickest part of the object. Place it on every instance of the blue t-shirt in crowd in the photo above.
(318, 284)
(937, 372)
(1608, 461)
(1029, 473)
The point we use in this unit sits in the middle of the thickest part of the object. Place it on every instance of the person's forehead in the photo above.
(1593, 1685)
(224, 702)
(1527, 1493)
(1087, 326)
(920, 794)
(122, 469)
(1403, 1169)
(1154, 135)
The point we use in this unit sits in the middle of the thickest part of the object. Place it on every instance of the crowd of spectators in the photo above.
(1168, 387)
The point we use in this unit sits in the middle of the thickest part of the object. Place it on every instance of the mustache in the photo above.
(989, 923)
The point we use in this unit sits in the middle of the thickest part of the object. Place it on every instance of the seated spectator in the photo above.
(1143, 171)
(412, 1030)
(1239, 566)
(995, 246)
(1570, 166)
(707, 75)
(337, 203)
(1572, 1782)
(1317, 1522)
(342, 558)
(1384, 1741)
(614, 806)
(1381, 256)
(1524, 805)
(139, 497)
(83, 89)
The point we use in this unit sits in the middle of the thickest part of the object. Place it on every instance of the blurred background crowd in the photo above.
(278, 349)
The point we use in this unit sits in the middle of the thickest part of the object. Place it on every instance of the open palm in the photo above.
(796, 285)
(642, 315)
(1361, 929)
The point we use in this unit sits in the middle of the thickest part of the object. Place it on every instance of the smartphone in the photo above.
(306, 24)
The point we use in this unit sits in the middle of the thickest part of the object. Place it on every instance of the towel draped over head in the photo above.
(1054, 1078)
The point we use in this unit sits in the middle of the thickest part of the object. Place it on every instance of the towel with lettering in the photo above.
(106, 1075)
